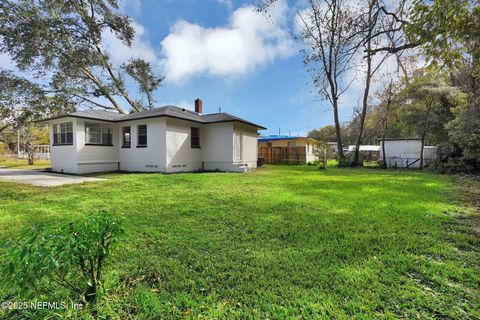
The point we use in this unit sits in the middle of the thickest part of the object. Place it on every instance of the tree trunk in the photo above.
(385, 134)
(31, 156)
(366, 93)
(341, 156)
(421, 150)
(363, 115)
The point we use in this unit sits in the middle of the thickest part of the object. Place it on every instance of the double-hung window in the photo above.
(195, 137)
(142, 136)
(98, 134)
(63, 133)
(126, 137)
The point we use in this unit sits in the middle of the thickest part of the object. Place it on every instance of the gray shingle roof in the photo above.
(166, 111)
(96, 114)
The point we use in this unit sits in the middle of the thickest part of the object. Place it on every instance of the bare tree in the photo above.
(388, 95)
(378, 28)
(327, 34)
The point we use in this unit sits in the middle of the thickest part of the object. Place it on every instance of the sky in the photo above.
(234, 58)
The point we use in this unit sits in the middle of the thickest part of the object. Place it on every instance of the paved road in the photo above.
(42, 179)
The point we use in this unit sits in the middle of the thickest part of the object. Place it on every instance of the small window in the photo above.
(127, 138)
(292, 144)
(142, 135)
(98, 133)
(195, 137)
(63, 133)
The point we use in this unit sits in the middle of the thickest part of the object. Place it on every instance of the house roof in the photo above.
(398, 139)
(364, 147)
(279, 137)
(166, 111)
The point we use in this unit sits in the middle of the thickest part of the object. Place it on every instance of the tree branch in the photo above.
(3, 127)
(394, 49)
(102, 89)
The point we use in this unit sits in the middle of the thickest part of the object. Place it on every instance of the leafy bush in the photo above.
(71, 257)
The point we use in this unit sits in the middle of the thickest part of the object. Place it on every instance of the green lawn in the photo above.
(23, 164)
(279, 243)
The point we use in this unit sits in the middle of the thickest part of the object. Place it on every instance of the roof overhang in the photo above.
(71, 116)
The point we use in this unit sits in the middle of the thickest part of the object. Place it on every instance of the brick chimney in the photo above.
(198, 106)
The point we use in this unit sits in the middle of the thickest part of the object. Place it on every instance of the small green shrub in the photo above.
(72, 257)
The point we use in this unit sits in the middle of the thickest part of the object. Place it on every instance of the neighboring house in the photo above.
(166, 139)
(364, 148)
(368, 152)
(41, 152)
(333, 147)
(286, 149)
(406, 153)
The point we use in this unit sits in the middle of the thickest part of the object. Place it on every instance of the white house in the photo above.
(166, 139)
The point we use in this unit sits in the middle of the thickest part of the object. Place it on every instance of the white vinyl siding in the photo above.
(183, 152)
(150, 159)
(63, 156)
(169, 146)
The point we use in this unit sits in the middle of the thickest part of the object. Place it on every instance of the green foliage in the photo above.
(463, 152)
(426, 107)
(65, 39)
(325, 134)
(71, 257)
(447, 30)
(148, 82)
(322, 153)
(22, 101)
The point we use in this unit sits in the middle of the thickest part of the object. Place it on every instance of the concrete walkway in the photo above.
(42, 179)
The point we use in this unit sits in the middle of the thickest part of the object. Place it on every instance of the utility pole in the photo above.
(18, 144)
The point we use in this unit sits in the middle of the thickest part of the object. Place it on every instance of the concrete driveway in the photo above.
(42, 179)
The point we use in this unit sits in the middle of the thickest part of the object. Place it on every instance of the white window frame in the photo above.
(104, 128)
(138, 136)
(63, 133)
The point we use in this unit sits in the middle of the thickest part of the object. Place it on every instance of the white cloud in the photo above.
(140, 47)
(247, 43)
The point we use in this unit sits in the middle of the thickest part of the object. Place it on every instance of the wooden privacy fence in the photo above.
(288, 155)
